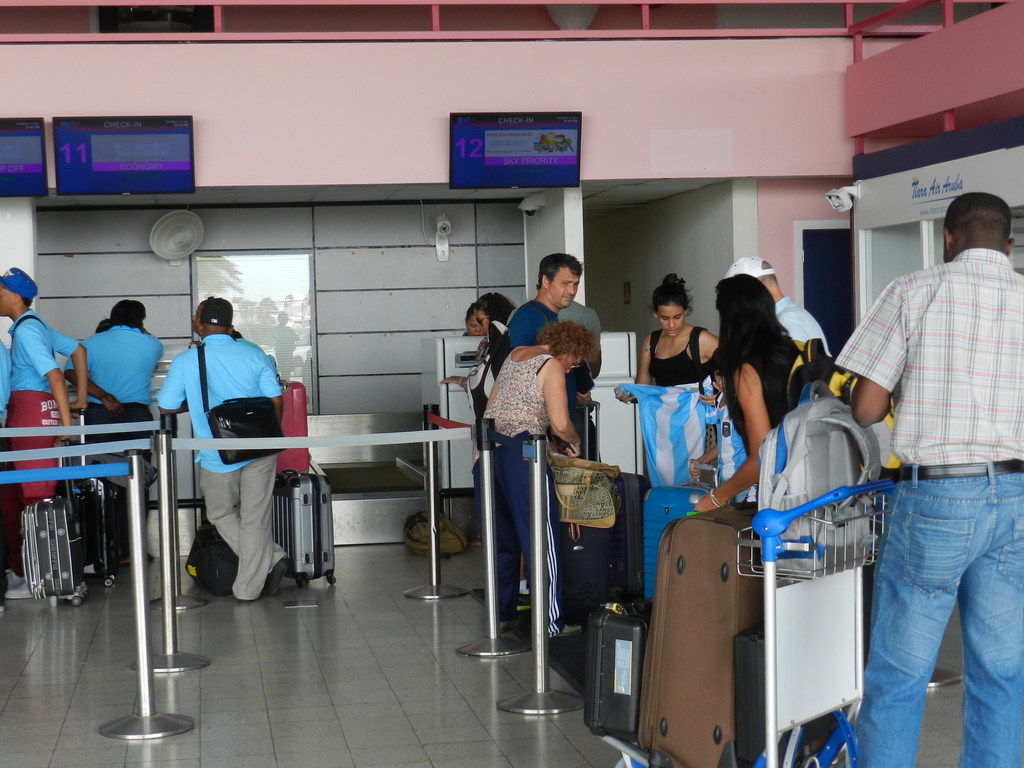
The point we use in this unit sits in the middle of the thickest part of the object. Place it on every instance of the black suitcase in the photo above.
(615, 653)
(626, 538)
(748, 648)
(101, 504)
(53, 551)
(585, 571)
(303, 524)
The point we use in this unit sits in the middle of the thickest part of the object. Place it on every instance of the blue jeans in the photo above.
(953, 541)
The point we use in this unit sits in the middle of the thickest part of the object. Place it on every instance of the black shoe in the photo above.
(276, 574)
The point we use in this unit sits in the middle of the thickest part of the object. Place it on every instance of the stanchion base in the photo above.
(545, 703)
(435, 592)
(182, 603)
(943, 676)
(496, 646)
(153, 726)
(178, 662)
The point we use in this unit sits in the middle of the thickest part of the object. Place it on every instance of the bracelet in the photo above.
(716, 502)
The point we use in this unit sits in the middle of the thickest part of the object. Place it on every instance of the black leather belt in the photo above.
(944, 471)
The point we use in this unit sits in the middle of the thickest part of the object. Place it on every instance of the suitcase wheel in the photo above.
(330, 577)
(301, 581)
(108, 581)
(76, 601)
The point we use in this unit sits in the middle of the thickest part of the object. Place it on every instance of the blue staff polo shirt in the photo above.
(121, 361)
(232, 370)
(32, 353)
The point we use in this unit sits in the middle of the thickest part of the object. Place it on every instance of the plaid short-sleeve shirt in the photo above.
(949, 342)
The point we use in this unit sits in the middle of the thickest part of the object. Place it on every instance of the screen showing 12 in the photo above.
(491, 150)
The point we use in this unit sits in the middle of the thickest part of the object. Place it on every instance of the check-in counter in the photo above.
(371, 495)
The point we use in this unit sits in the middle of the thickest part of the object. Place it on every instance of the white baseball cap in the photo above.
(749, 265)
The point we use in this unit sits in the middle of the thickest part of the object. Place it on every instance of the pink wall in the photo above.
(779, 204)
(970, 62)
(366, 113)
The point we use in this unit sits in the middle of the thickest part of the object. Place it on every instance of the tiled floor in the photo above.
(367, 677)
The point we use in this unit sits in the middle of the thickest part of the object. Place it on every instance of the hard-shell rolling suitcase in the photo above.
(616, 638)
(687, 713)
(303, 524)
(99, 504)
(294, 423)
(663, 504)
(53, 551)
(584, 570)
(626, 538)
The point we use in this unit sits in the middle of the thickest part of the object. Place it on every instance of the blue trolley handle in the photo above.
(770, 524)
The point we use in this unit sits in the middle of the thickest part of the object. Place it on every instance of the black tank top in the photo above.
(681, 369)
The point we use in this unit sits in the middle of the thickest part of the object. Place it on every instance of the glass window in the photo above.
(270, 293)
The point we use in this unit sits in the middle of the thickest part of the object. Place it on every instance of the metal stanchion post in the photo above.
(542, 700)
(168, 510)
(171, 660)
(435, 590)
(144, 723)
(494, 644)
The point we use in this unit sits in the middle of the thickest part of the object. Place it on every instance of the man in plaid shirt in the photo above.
(947, 343)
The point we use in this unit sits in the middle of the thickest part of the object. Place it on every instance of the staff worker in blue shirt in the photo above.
(39, 398)
(122, 356)
(238, 496)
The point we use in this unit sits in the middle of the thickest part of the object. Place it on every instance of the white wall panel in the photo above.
(96, 231)
(499, 223)
(391, 225)
(117, 275)
(166, 316)
(237, 229)
(387, 268)
(502, 265)
(353, 311)
(370, 394)
(346, 354)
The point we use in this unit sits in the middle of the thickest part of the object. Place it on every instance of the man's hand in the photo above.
(112, 404)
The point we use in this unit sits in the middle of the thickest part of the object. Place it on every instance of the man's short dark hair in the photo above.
(980, 217)
(553, 262)
(216, 311)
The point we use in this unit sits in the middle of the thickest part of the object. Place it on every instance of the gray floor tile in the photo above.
(368, 678)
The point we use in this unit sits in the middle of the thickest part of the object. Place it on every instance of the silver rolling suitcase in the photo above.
(53, 551)
(304, 526)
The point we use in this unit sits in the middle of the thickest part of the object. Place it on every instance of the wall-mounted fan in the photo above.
(176, 235)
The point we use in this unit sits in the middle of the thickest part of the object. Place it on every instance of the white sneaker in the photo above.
(13, 579)
(20, 592)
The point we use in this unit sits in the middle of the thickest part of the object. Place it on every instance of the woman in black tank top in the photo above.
(756, 356)
(678, 352)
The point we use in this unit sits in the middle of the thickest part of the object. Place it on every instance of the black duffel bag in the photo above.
(211, 562)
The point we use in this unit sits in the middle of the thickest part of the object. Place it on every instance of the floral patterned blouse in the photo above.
(518, 402)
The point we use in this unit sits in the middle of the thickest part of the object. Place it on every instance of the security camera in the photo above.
(841, 198)
(444, 226)
(533, 203)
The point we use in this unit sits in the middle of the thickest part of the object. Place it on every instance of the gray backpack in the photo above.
(816, 448)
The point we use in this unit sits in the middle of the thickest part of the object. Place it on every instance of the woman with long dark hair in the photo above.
(756, 355)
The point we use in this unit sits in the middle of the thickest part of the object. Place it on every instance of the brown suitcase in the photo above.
(687, 717)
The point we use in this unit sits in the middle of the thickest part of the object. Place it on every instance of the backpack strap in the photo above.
(694, 350)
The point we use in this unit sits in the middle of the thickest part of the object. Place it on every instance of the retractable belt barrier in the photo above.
(144, 722)
(435, 590)
(493, 644)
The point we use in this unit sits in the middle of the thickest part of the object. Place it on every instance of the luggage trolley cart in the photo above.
(811, 559)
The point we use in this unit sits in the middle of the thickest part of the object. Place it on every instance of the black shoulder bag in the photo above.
(241, 418)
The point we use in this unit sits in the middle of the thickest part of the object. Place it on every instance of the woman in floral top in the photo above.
(529, 399)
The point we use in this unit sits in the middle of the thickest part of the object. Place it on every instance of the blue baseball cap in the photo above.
(17, 281)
